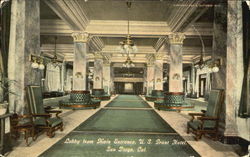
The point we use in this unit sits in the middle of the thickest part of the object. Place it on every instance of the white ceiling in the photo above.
(100, 11)
(117, 10)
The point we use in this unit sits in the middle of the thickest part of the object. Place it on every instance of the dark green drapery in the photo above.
(5, 13)
(244, 109)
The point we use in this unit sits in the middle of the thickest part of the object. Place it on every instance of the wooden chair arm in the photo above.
(203, 111)
(24, 116)
(208, 118)
(16, 118)
(196, 114)
(42, 115)
(54, 111)
(48, 108)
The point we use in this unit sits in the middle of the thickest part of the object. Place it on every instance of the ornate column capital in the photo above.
(159, 56)
(176, 38)
(81, 37)
(106, 62)
(150, 64)
(98, 55)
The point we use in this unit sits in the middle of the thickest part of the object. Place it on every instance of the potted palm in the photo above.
(4, 92)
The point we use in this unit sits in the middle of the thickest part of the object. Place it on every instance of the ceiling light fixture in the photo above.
(128, 63)
(54, 59)
(201, 63)
(128, 46)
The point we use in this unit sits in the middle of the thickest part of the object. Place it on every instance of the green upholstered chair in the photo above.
(80, 100)
(42, 118)
(155, 95)
(100, 94)
(206, 123)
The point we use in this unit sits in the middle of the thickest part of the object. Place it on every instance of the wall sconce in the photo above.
(97, 78)
(176, 76)
(37, 62)
(214, 65)
(158, 80)
(78, 75)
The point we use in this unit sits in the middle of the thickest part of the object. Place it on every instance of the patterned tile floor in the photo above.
(204, 147)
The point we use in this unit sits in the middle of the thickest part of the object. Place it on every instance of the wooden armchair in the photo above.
(207, 122)
(42, 118)
(22, 123)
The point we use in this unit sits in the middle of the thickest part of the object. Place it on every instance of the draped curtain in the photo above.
(5, 13)
(244, 108)
(68, 83)
(53, 78)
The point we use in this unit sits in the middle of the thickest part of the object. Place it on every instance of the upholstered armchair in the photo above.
(42, 118)
(207, 122)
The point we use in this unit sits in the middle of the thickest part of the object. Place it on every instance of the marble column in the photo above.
(63, 75)
(112, 84)
(107, 77)
(24, 40)
(145, 81)
(175, 70)
(98, 71)
(219, 45)
(158, 72)
(81, 49)
(193, 77)
(234, 67)
(150, 77)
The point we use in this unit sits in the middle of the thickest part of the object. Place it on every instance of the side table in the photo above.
(2, 133)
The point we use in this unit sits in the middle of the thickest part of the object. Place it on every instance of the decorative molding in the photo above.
(78, 75)
(159, 56)
(81, 37)
(71, 12)
(55, 27)
(98, 55)
(117, 29)
(185, 14)
(124, 79)
(96, 43)
(176, 38)
(159, 43)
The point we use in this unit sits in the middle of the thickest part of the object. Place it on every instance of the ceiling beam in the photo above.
(187, 13)
(119, 28)
(70, 12)
(113, 49)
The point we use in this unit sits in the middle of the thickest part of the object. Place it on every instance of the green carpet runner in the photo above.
(128, 101)
(113, 132)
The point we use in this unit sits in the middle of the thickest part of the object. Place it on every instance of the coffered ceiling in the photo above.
(151, 22)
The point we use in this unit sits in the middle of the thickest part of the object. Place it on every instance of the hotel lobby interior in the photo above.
(124, 78)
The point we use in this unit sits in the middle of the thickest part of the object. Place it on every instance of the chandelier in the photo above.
(54, 60)
(128, 63)
(128, 46)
